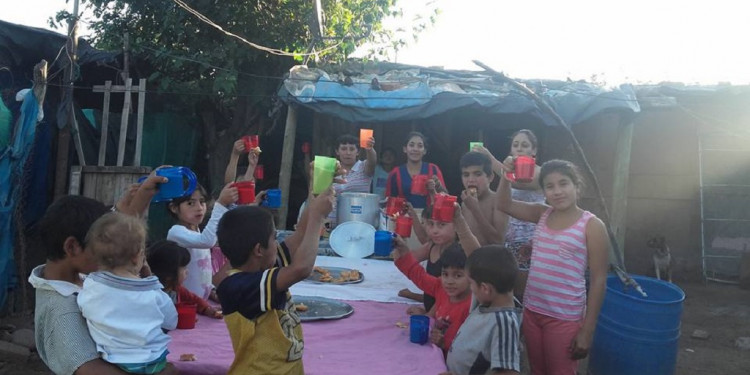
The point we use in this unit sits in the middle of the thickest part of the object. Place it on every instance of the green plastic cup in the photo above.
(472, 144)
(323, 171)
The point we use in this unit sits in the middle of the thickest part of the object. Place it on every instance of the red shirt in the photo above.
(454, 313)
(186, 296)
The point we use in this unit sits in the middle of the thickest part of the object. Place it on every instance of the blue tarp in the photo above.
(412, 93)
(12, 161)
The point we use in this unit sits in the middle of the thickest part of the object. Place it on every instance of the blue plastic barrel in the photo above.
(637, 335)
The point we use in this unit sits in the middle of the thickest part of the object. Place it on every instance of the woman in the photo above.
(400, 178)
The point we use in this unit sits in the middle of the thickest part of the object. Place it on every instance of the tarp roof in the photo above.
(396, 92)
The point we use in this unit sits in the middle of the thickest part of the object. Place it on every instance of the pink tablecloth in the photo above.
(366, 342)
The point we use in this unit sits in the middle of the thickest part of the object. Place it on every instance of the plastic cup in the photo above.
(383, 243)
(251, 142)
(273, 198)
(258, 172)
(323, 171)
(175, 187)
(186, 315)
(364, 137)
(395, 205)
(444, 208)
(246, 192)
(403, 226)
(472, 144)
(419, 184)
(306, 148)
(419, 329)
(523, 169)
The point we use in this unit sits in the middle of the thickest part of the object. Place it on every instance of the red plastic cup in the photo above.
(246, 192)
(419, 184)
(444, 208)
(306, 148)
(258, 173)
(251, 142)
(403, 226)
(395, 205)
(186, 315)
(523, 169)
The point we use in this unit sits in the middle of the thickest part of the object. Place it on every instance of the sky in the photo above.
(638, 41)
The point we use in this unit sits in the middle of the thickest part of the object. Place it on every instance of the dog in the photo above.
(662, 257)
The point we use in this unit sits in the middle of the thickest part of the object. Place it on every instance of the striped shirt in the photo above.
(556, 285)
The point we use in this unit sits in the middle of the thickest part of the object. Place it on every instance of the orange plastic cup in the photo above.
(186, 315)
(364, 137)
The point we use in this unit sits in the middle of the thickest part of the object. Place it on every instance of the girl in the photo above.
(400, 178)
(519, 233)
(558, 320)
(168, 262)
(189, 212)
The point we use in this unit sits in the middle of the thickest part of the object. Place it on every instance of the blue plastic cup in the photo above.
(419, 329)
(383, 243)
(273, 198)
(181, 181)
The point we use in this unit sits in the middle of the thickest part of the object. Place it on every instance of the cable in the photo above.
(273, 51)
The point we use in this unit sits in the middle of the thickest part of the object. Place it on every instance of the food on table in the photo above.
(344, 276)
(188, 357)
(402, 325)
(301, 307)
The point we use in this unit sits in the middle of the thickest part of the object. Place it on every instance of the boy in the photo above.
(263, 324)
(487, 222)
(62, 337)
(451, 289)
(488, 341)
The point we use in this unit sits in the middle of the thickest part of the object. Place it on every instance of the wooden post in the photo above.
(105, 124)
(124, 123)
(63, 136)
(139, 123)
(287, 155)
(620, 180)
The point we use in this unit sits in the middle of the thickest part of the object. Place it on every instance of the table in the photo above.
(368, 341)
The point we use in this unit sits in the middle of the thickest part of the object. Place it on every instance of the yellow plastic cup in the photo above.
(472, 144)
(323, 171)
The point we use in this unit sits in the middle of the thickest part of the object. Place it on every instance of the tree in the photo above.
(190, 56)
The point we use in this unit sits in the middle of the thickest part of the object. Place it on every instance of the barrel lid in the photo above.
(353, 239)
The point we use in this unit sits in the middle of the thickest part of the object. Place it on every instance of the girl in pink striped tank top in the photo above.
(558, 319)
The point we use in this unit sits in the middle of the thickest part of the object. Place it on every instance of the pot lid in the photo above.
(353, 239)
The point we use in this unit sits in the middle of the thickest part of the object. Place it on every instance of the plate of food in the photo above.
(335, 275)
(320, 308)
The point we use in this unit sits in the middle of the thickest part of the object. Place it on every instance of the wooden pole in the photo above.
(287, 155)
(139, 122)
(63, 136)
(105, 124)
(124, 123)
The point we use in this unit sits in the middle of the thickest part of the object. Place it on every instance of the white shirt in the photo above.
(126, 316)
(199, 244)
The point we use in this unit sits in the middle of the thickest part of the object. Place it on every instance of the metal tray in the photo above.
(321, 308)
(335, 273)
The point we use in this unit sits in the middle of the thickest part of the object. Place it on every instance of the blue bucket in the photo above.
(634, 334)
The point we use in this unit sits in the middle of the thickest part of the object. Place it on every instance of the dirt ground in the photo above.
(722, 310)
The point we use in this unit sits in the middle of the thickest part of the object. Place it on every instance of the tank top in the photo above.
(556, 285)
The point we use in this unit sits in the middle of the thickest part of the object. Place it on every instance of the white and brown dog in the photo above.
(662, 257)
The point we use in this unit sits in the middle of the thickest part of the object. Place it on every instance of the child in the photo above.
(558, 321)
(230, 175)
(451, 289)
(168, 262)
(264, 327)
(478, 200)
(380, 178)
(125, 314)
(489, 338)
(442, 235)
(189, 212)
(519, 233)
(358, 173)
(400, 178)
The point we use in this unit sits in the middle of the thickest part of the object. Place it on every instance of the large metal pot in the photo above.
(362, 207)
